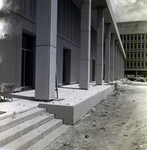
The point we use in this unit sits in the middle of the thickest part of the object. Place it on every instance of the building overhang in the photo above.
(108, 17)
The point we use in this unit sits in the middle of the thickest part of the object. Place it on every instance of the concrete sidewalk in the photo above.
(74, 103)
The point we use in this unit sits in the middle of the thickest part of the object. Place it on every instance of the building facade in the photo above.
(134, 38)
(77, 41)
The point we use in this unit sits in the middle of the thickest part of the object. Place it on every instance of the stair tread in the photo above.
(24, 127)
(32, 136)
(18, 117)
(51, 137)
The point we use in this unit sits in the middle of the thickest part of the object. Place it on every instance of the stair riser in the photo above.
(40, 136)
(18, 121)
(24, 131)
(49, 139)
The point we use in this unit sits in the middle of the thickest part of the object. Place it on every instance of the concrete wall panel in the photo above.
(75, 52)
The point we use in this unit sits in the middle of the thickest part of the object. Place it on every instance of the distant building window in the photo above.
(142, 45)
(124, 37)
(121, 37)
(138, 45)
(131, 55)
(127, 46)
(135, 37)
(127, 64)
(134, 55)
(128, 37)
(134, 64)
(128, 55)
(131, 64)
(131, 37)
(142, 64)
(142, 54)
(135, 46)
(131, 46)
(138, 37)
(143, 37)
(124, 46)
(139, 64)
(138, 54)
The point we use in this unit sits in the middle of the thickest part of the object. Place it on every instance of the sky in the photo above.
(129, 10)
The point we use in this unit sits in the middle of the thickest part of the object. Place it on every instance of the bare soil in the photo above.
(118, 122)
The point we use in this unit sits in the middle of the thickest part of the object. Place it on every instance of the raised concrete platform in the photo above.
(76, 102)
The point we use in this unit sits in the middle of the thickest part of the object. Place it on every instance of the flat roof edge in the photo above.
(115, 26)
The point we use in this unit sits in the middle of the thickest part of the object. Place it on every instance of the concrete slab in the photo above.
(77, 102)
(73, 105)
(22, 101)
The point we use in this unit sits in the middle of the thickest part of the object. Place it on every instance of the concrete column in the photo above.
(85, 44)
(118, 66)
(100, 45)
(107, 52)
(112, 57)
(46, 49)
(122, 67)
(117, 69)
(115, 61)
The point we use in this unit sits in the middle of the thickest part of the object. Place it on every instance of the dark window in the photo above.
(142, 64)
(131, 64)
(124, 46)
(127, 64)
(138, 37)
(139, 64)
(124, 37)
(135, 46)
(128, 55)
(131, 37)
(134, 64)
(134, 54)
(121, 37)
(138, 45)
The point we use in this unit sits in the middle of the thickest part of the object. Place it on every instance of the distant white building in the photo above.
(134, 38)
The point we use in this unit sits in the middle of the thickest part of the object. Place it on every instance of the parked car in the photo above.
(140, 78)
(136, 78)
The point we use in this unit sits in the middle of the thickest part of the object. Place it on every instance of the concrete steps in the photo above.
(33, 129)
(47, 140)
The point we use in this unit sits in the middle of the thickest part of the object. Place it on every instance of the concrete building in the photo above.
(79, 38)
(134, 38)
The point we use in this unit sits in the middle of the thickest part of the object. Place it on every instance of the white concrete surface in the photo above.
(75, 104)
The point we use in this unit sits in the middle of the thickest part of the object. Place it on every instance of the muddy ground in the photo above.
(118, 122)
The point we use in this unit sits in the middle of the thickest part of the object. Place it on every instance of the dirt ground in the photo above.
(118, 122)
